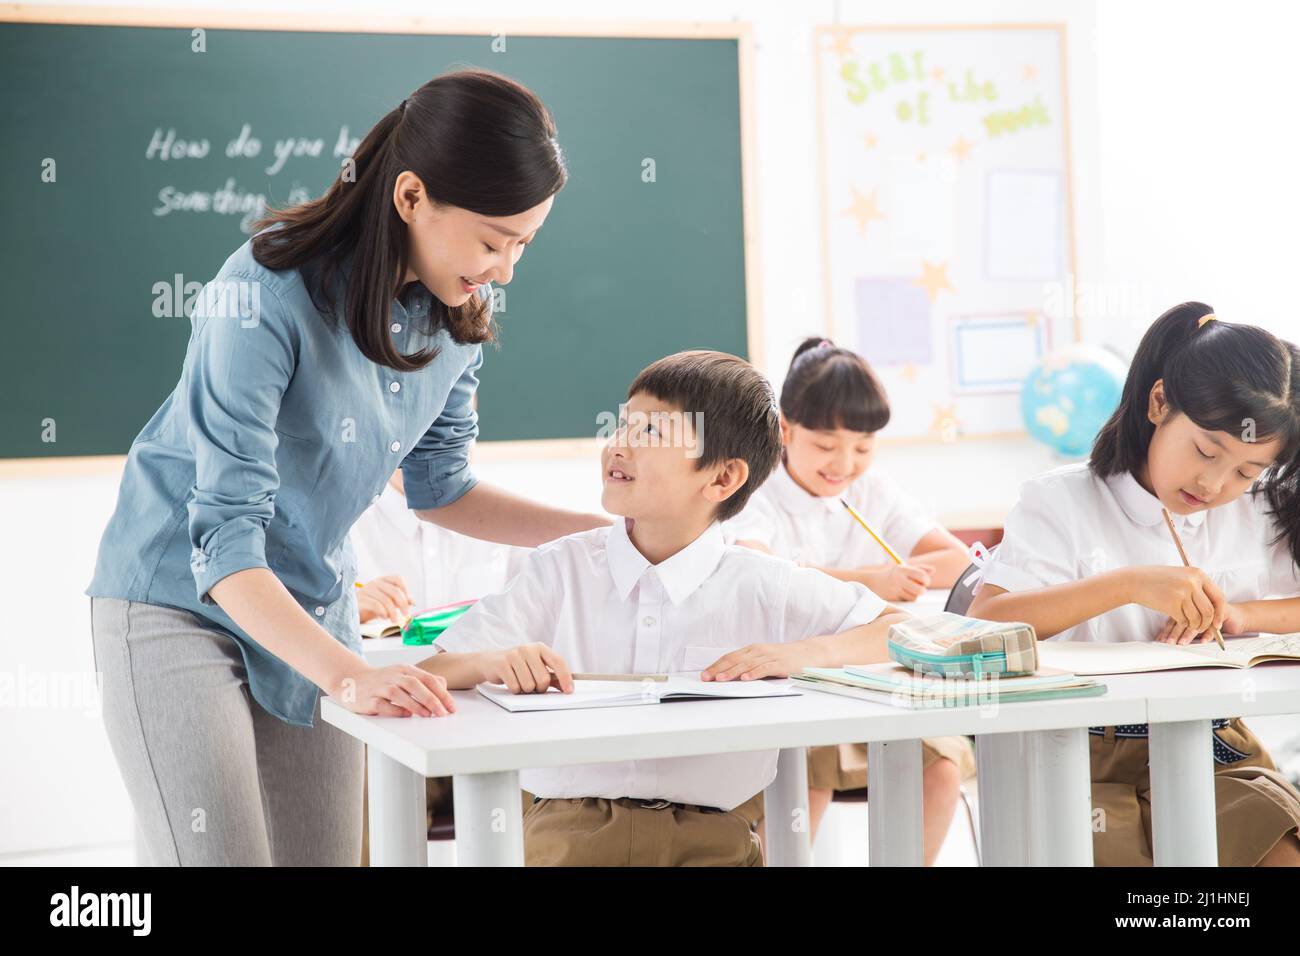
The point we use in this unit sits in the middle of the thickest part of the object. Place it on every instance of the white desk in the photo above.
(484, 747)
(1034, 782)
(384, 651)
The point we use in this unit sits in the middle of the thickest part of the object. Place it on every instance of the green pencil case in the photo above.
(424, 627)
(951, 645)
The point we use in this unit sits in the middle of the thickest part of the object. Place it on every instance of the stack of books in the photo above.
(894, 684)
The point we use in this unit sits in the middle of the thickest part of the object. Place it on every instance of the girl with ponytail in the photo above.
(1208, 431)
(342, 342)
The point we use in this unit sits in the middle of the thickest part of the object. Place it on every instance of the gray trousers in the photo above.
(214, 778)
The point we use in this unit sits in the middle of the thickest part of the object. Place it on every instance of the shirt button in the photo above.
(396, 327)
(339, 576)
(394, 386)
(375, 500)
(648, 621)
(320, 611)
(395, 446)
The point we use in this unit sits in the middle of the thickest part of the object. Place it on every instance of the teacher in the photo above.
(341, 340)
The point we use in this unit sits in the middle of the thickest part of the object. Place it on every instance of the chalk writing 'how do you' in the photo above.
(167, 146)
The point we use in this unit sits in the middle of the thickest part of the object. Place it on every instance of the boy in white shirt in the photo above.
(698, 433)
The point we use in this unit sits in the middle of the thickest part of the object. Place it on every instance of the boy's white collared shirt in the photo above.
(819, 531)
(1071, 525)
(597, 601)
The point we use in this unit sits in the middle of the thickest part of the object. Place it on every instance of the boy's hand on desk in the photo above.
(898, 582)
(528, 669)
(755, 661)
(385, 596)
(397, 691)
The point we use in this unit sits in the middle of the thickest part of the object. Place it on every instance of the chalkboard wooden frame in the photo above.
(740, 31)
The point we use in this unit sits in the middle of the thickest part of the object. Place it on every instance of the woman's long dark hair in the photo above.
(476, 140)
(1224, 377)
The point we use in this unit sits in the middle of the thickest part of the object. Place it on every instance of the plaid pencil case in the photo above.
(950, 645)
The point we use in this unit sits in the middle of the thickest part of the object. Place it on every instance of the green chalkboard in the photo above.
(624, 272)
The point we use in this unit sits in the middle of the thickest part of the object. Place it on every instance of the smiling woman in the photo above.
(223, 599)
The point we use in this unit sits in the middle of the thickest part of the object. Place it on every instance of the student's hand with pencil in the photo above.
(1186, 595)
(898, 582)
(1234, 622)
(385, 596)
(527, 669)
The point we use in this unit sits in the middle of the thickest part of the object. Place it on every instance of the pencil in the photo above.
(879, 540)
(1169, 523)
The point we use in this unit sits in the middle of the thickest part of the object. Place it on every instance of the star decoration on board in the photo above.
(1031, 71)
(842, 44)
(908, 372)
(934, 279)
(870, 141)
(936, 74)
(961, 149)
(920, 156)
(863, 210)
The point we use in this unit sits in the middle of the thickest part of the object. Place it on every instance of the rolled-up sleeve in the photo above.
(237, 376)
(437, 471)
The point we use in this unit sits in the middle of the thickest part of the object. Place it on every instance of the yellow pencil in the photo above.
(879, 540)
(1169, 523)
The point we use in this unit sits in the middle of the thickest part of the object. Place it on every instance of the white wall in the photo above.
(1180, 110)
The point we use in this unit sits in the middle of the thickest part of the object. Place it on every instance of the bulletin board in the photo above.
(947, 214)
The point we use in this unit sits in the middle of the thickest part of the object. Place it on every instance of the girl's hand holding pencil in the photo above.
(897, 582)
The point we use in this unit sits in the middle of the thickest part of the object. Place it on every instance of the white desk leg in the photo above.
(785, 808)
(1003, 799)
(397, 833)
(1183, 820)
(489, 819)
(1061, 805)
(896, 834)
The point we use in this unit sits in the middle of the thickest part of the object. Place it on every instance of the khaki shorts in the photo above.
(1256, 806)
(844, 767)
(593, 831)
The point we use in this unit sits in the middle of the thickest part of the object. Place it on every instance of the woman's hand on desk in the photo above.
(386, 597)
(396, 691)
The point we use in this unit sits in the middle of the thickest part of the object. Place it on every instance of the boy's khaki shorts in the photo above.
(594, 831)
(1256, 806)
(844, 766)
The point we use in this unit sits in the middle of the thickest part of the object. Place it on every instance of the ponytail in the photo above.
(828, 387)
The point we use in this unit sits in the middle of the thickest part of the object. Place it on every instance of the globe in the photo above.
(1069, 395)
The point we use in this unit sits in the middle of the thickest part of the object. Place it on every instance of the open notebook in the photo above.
(1136, 657)
(624, 693)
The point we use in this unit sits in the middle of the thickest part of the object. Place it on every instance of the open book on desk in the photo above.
(625, 693)
(1137, 657)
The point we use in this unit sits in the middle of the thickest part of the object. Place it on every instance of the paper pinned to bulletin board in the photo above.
(947, 214)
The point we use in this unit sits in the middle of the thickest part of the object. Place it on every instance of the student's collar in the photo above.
(393, 506)
(1144, 508)
(794, 499)
(680, 575)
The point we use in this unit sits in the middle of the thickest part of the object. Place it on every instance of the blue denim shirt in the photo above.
(279, 434)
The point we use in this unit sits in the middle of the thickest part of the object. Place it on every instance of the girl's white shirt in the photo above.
(1070, 525)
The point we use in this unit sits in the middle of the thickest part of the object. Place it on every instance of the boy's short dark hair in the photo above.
(738, 409)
